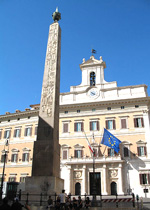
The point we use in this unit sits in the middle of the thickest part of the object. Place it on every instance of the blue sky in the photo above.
(118, 29)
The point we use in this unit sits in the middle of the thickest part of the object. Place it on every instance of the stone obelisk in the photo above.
(46, 156)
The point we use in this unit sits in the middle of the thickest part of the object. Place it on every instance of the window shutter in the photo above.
(108, 152)
(81, 153)
(17, 158)
(135, 123)
(90, 126)
(23, 157)
(65, 129)
(75, 153)
(145, 152)
(15, 133)
(31, 131)
(0, 134)
(123, 123)
(28, 157)
(98, 125)
(19, 132)
(81, 126)
(64, 154)
(25, 132)
(140, 176)
(142, 121)
(12, 157)
(75, 126)
(5, 135)
(114, 124)
(106, 124)
(35, 132)
(138, 151)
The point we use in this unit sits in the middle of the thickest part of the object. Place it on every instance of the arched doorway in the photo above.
(77, 188)
(113, 188)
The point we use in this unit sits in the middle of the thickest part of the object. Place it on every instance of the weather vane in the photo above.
(56, 15)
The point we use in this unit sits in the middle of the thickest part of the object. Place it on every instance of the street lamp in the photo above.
(3, 174)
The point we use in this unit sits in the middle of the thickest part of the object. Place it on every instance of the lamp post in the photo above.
(3, 174)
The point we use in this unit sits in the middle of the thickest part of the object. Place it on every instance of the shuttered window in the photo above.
(94, 125)
(17, 132)
(141, 150)
(35, 132)
(78, 127)
(138, 122)
(14, 158)
(123, 123)
(64, 154)
(25, 157)
(28, 131)
(7, 134)
(78, 153)
(110, 124)
(0, 134)
(65, 127)
(144, 178)
(126, 152)
(111, 152)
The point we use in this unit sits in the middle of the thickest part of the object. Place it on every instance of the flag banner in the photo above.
(89, 145)
(93, 51)
(110, 140)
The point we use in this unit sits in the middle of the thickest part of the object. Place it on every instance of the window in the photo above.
(144, 178)
(3, 158)
(136, 106)
(94, 125)
(12, 179)
(17, 132)
(122, 107)
(78, 111)
(78, 153)
(123, 123)
(7, 134)
(66, 112)
(25, 157)
(95, 152)
(64, 154)
(108, 108)
(110, 124)
(111, 152)
(141, 150)
(93, 110)
(92, 79)
(28, 131)
(126, 152)
(22, 179)
(138, 122)
(14, 158)
(78, 127)
(65, 127)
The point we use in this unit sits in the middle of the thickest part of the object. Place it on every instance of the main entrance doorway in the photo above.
(95, 183)
(77, 188)
(113, 188)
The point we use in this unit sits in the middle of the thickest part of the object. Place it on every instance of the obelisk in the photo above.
(46, 155)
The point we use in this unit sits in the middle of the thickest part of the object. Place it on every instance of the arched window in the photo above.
(92, 79)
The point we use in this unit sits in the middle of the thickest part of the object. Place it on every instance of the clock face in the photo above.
(93, 93)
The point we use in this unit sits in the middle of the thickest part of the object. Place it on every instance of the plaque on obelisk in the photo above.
(46, 155)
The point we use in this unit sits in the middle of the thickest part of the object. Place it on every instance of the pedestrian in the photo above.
(16, 205)
(5, 205)
(50, 202)
(87, 203)
(57, 205)
(79, 202)
(63, 199)
(74, 203)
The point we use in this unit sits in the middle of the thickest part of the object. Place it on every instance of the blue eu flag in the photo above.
(110, 140)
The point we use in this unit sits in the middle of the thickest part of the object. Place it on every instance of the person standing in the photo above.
(62, 199)
(16, 205)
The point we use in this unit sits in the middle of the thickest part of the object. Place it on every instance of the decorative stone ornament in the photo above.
(56, 15)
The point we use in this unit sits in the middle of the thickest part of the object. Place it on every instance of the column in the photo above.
(69, 179)
(104, 181)
(84, 180)
(120, 190)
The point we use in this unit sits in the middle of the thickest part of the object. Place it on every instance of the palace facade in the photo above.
(84, 113)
